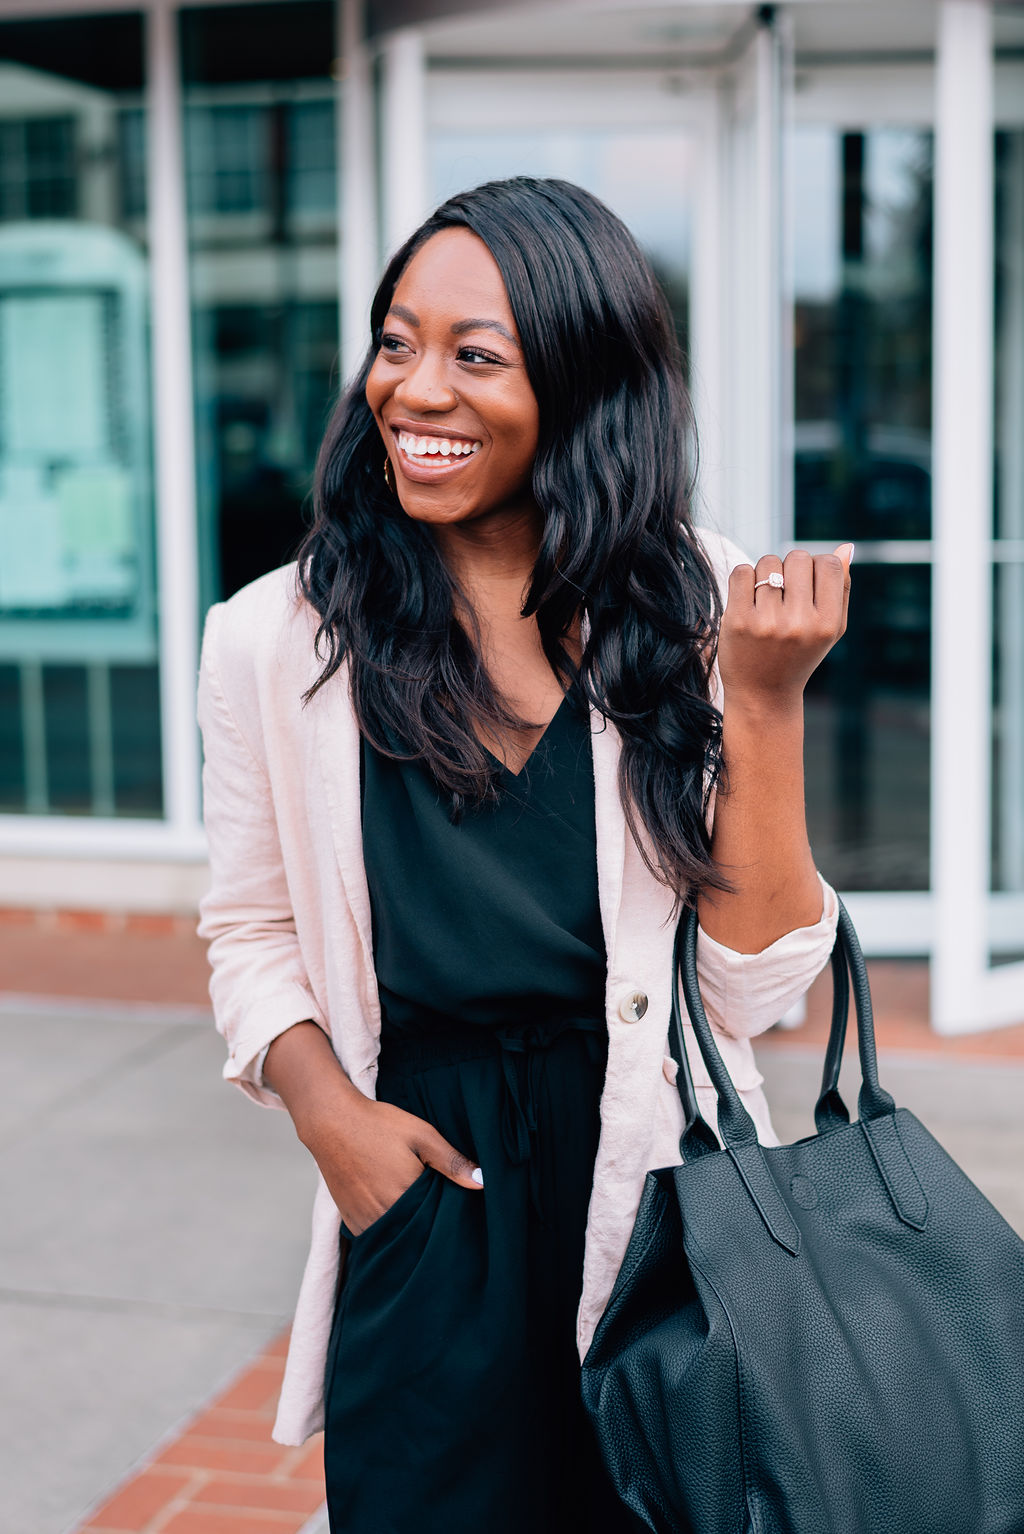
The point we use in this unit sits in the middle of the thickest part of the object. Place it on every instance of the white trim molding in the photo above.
(356, 159)
(173, 424)
(404, 172)
(967, 994)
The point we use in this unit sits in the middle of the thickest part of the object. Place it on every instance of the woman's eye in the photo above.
(474, 354)
(392, 344)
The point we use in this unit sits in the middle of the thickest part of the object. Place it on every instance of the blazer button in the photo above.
(632, 1008)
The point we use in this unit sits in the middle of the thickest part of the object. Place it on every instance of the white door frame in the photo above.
(959, 922)
(967, 993)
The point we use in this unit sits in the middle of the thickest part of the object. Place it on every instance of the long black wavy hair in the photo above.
(612, 478)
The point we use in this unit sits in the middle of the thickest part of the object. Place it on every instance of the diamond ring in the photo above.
(776, 580)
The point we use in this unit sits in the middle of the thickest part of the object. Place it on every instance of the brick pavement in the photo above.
(222, 1474)
(98, 955)
(899, 992)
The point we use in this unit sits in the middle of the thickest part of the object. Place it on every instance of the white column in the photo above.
(177, 576)
(708, 371)
(404, 173)
(962, 509)
(754, 305)
(356, 191)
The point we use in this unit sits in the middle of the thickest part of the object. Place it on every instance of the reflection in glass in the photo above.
(1008, 728)
(261, 188)
(645, 176)
(867, 742)
(862, 471)
(1008, 612)
(79, 733)
(862, 324)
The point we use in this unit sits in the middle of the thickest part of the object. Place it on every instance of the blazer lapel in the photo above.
(610, 823)
(338, 747)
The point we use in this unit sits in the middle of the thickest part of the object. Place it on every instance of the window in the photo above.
(37, 168)
(862, 472)
(260, 175)
(79, 675)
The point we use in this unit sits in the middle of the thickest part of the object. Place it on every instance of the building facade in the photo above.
(195, 201)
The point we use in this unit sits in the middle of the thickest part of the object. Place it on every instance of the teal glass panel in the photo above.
(261, 169)
(77, 560)
(1008, 516)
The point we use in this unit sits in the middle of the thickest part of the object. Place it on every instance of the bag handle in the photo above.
(736, 1125)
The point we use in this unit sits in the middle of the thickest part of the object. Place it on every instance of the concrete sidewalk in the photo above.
(154, 1229)
(155, 1224)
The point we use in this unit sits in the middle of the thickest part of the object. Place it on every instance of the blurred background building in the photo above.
(195, 201)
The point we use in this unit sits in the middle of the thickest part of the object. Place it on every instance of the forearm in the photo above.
(302, 1068)
(759, 838)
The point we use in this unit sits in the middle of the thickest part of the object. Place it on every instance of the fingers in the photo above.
(435, 1151)
(844, 553)
(814, 587)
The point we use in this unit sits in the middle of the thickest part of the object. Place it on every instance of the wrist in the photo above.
(765, 707)
(328, 1114)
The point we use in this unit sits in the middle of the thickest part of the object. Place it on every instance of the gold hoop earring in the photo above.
(387, 474)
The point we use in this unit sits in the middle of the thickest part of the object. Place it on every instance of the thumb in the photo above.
(844, 553)
(435, 1151)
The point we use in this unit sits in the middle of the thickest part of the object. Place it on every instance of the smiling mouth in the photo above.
(436, 452)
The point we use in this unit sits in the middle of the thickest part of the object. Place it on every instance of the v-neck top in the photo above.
(495, 916)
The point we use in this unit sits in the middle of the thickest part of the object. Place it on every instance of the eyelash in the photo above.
(392, 344)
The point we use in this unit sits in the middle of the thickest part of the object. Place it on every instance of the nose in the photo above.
(425, 386)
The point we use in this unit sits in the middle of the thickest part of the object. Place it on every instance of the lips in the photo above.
(427, 456)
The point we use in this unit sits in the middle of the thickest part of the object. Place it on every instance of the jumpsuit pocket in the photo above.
(394, 1212)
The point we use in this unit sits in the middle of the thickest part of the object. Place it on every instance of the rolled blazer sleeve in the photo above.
(745, 993)
(259, 986)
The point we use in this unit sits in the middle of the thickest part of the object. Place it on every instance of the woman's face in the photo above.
(449, 389)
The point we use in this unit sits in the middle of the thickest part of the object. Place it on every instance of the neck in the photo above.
(492, 558)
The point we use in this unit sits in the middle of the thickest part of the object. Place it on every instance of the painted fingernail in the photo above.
(478, 1176)
(853, 547)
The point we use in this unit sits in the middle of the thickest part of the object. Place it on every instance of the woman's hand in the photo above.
(368, 1152)
(372, 1152)
(772, 639)
(769, 643)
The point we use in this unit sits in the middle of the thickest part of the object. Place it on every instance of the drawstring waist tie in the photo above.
(520, 1046)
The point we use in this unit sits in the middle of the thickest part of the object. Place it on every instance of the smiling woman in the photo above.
(450, 392)
(460, 775)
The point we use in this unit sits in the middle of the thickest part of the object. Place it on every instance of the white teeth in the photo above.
(435, 447)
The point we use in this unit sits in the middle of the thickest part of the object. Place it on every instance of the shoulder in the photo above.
(268, 623)
(722, 555)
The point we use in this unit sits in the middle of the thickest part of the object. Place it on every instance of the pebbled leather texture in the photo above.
(871, 1382)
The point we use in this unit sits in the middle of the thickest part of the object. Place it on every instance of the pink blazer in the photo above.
(288, 919)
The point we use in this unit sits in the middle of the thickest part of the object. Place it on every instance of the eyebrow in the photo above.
(460, 328)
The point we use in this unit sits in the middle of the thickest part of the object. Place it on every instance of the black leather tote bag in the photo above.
(819, 1338)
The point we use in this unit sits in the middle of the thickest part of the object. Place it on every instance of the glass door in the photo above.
(859, 277)
(862, 472)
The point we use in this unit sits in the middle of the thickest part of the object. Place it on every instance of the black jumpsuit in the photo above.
(452, 1384)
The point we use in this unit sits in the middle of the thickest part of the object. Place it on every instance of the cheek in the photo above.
(522, 435)
(376, 390)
